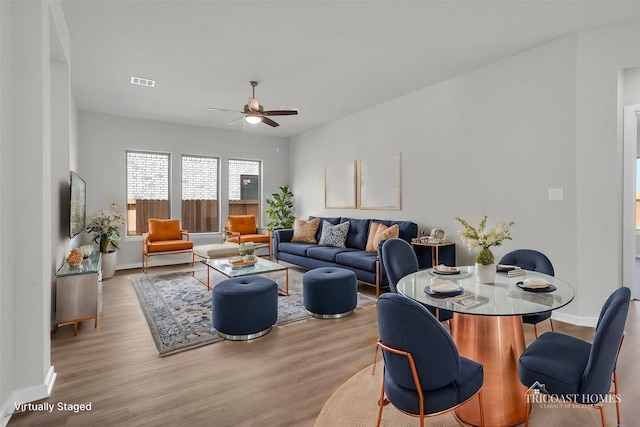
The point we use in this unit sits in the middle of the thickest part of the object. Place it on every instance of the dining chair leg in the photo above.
(615, 388)
(535, 331)
(551, 322)
(602, 418)
(381, 402)
(375, 361)
(528, 411)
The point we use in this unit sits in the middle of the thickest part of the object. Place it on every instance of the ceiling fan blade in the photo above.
(268, 121)
(235, 120)
(280, 113)
(223, 109)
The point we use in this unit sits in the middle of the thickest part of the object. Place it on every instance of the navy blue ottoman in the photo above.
(329, 292)
(244, 308)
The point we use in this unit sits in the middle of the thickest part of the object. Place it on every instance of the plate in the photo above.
(450, 270)
(549, 288)
(453, 293)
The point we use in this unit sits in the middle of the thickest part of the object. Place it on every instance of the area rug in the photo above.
(178, 308)
(355, 404)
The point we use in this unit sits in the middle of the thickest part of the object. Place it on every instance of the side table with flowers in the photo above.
(473, 237)
(104, 227)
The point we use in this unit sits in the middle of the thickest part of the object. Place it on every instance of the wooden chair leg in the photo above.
(528, 411)
(551, 322)
(602, 418)
(535, 331)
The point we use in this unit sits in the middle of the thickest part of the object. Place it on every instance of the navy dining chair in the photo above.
(531, 260)
(574, 369)
(423, 373)
(399, 259)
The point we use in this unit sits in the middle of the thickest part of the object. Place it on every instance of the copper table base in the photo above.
(497, 342)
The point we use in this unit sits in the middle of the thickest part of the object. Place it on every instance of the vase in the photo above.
(485, 273)
(249, 258)
(109, 264)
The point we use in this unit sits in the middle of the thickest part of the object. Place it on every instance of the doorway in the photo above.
(629, 250)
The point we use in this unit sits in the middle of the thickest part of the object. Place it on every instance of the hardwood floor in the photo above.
(282, 379)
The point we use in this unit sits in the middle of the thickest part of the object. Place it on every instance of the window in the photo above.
(200, 194)
(147, 189)
(244, 188)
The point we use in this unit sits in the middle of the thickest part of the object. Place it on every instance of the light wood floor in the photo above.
(282, 379)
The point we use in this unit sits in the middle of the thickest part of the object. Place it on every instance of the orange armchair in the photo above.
(243, 228)
(165, 237)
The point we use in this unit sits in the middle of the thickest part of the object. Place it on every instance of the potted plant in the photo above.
(104, 227)
(248, 251)
(473, 237)
(281, 209)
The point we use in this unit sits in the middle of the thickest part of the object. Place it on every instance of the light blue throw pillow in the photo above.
(334, 235)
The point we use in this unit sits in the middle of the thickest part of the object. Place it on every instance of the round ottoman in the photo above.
(244, 308)
(329, 292)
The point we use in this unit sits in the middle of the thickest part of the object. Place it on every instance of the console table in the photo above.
(79, 292)
(431, 254)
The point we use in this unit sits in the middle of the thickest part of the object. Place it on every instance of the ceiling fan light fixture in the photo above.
(253, 119)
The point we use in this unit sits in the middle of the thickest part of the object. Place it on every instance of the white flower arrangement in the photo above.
(247, 249)
(479, 237)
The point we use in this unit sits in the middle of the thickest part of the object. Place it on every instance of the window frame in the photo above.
(169, 193)
(218, 160)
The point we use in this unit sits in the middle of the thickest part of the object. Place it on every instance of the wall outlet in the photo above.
(556, 194)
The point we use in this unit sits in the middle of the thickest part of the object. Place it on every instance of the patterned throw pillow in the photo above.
(382, 232)
(334, 235)
(305, 231)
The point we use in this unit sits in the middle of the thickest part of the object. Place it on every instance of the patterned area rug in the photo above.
(178, 307)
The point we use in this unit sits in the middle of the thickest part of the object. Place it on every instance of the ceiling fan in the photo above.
(254, 113)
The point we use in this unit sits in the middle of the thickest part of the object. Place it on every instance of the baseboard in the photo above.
(575, 320)
(26, 395)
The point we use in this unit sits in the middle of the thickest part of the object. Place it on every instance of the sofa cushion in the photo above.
(334, 235)
(358, 259)
(331, 220)
(326, 253)
(358, 233)
(243, 224)
(295, 248)
(164, 229)
(305, 231)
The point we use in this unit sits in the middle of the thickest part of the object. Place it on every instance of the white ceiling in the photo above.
(327, 58)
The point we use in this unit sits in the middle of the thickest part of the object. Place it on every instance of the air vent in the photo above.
(142, 82)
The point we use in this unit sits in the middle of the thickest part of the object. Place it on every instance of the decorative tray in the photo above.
(236, 263)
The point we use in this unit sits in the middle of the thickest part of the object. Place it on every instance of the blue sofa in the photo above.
(354, 257)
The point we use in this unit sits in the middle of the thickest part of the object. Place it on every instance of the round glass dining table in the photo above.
(487, 327)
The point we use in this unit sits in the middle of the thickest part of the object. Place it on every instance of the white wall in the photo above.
(37, 109)
(104, 139)
(493, 142)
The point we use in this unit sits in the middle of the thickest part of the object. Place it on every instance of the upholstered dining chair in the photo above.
(422, 377)
(579, 371)
(531, 260)
(399, 259)
(243, 228)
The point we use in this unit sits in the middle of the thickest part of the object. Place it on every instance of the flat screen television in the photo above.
(77, 205)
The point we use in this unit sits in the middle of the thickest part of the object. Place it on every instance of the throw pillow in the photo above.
(383, 233)
(305, 231)
(372, 233)
(334, 235)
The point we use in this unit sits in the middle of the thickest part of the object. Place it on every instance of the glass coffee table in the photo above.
(262, 266)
